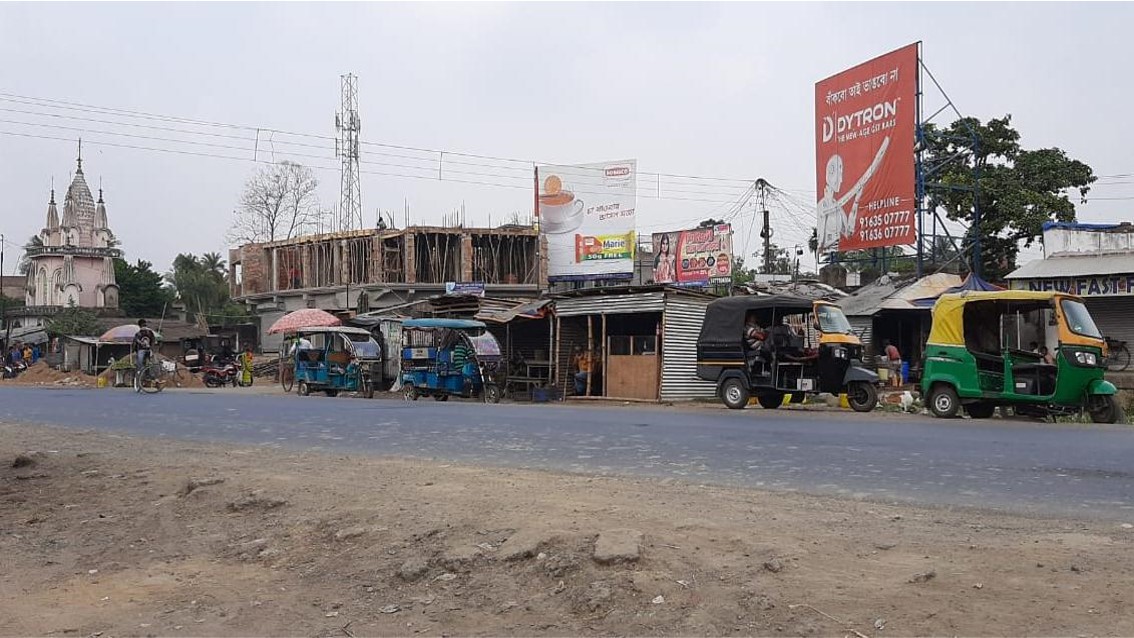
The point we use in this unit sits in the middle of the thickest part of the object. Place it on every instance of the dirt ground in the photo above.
(104, 535)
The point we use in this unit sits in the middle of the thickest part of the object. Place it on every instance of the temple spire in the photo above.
(80, 170)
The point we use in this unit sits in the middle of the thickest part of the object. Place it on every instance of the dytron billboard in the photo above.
(865, 122)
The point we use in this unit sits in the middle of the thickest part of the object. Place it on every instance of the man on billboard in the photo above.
(835, 222)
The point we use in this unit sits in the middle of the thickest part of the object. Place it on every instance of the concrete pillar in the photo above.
(411, 259)
(466, 257)
(275, 269)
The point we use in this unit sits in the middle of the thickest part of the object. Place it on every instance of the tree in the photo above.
(75, 322)
(200, 283)
(1019, 189)
(214, 265)
(35, 241)
(740, 274)
(279, 202)
(781, 262)
(140, 289)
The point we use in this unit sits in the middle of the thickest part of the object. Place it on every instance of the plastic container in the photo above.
(905, 372)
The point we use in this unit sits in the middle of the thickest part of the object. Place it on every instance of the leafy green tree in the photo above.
(782, 261)
(141, 292)
(201, 285)
(75, 322)
(740, 274)
(35, 241)
(1019, 189)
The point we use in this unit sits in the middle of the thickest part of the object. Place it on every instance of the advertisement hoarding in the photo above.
(865, 121)
(586, 212)
(699, 257)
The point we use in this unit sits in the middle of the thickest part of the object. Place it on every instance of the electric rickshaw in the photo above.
(340, 359)
(450, 357)
(1038, 353)
(774, 346)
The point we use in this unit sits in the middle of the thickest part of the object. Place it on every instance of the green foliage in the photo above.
(35, 241)
(1020, 189)
(201, 285)
(140, 289)
(74, 321)
(740, 274)
(782, 261)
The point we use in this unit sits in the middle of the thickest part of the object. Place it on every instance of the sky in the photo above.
(690, 89)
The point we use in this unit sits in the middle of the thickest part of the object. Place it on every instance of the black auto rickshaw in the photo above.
(776, 346)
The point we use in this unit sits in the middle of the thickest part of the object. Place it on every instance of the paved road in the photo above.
(1020, 467)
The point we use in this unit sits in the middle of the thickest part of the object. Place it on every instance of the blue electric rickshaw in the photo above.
(447, 357)
(339, 359)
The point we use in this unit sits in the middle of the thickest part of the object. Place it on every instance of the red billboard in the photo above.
(865, 120)
(697, 257)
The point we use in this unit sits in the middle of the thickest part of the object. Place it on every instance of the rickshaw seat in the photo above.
(341, 358)
(314, 356)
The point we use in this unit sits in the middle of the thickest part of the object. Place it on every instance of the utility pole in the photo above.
(766, 227)
(4, 298)
(348, 126)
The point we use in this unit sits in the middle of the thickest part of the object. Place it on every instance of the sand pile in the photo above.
(43, 374)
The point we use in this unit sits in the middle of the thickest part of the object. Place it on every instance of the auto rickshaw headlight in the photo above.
(1084, 358)
(840, 353)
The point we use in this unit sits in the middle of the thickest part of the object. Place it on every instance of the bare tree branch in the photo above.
(279, 202)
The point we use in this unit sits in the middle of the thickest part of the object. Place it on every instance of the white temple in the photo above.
(75, 264)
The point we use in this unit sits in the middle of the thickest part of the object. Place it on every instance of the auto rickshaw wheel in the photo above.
(441, 397)
(303, 390)
(409, 392)
(734, 394)
(943, 401)
(862, 396)
(1105, 409)
(980, 410)
(492, 393)
(770, 400)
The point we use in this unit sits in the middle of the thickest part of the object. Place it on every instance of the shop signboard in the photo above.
(586, 212)
(698, 257)
(1121, 285)
(454, 288)
(865, 121)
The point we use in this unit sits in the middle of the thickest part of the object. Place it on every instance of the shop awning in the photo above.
(1075, 266)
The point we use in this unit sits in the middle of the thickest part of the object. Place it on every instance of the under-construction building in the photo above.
(366, 270)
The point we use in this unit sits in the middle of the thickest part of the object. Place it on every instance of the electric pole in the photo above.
(4, 299)
(766, 227)
(348, 126)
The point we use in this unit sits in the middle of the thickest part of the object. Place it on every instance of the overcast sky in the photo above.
(719, 90)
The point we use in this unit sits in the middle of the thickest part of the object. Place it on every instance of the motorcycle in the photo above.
(11, 371)
(220, 374)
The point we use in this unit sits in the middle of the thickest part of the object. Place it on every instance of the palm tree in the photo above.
(212, 263)
(35, 241)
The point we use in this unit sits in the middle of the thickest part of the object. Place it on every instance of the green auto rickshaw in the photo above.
(1039, 353)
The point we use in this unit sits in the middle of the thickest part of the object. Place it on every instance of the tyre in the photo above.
(1105, 409)
(1119, 359)
(303, 389)
(943, 401)
(862, 396)
(492, 393)
(980, 410)
(770, 400)
(212, 381)
(441, 397)
(151, 382)
(734, 394)
(409, 392)
(286, 370)
(331, 393)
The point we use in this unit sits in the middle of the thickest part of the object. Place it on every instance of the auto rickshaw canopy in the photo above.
(725, 316)
(948, 313)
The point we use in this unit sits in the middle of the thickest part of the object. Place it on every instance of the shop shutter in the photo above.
(683, 319)
(1113, 317)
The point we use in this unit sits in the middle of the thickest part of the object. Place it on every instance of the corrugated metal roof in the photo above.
(890, 294)
(1077, 266)
(610, 304)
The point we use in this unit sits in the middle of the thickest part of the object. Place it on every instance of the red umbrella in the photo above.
(306, 318)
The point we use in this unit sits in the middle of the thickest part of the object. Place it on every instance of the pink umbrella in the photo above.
(122, 334)
(306, 318)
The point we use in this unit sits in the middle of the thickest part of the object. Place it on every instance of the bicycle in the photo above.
(1119, 358)
(152, 377)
